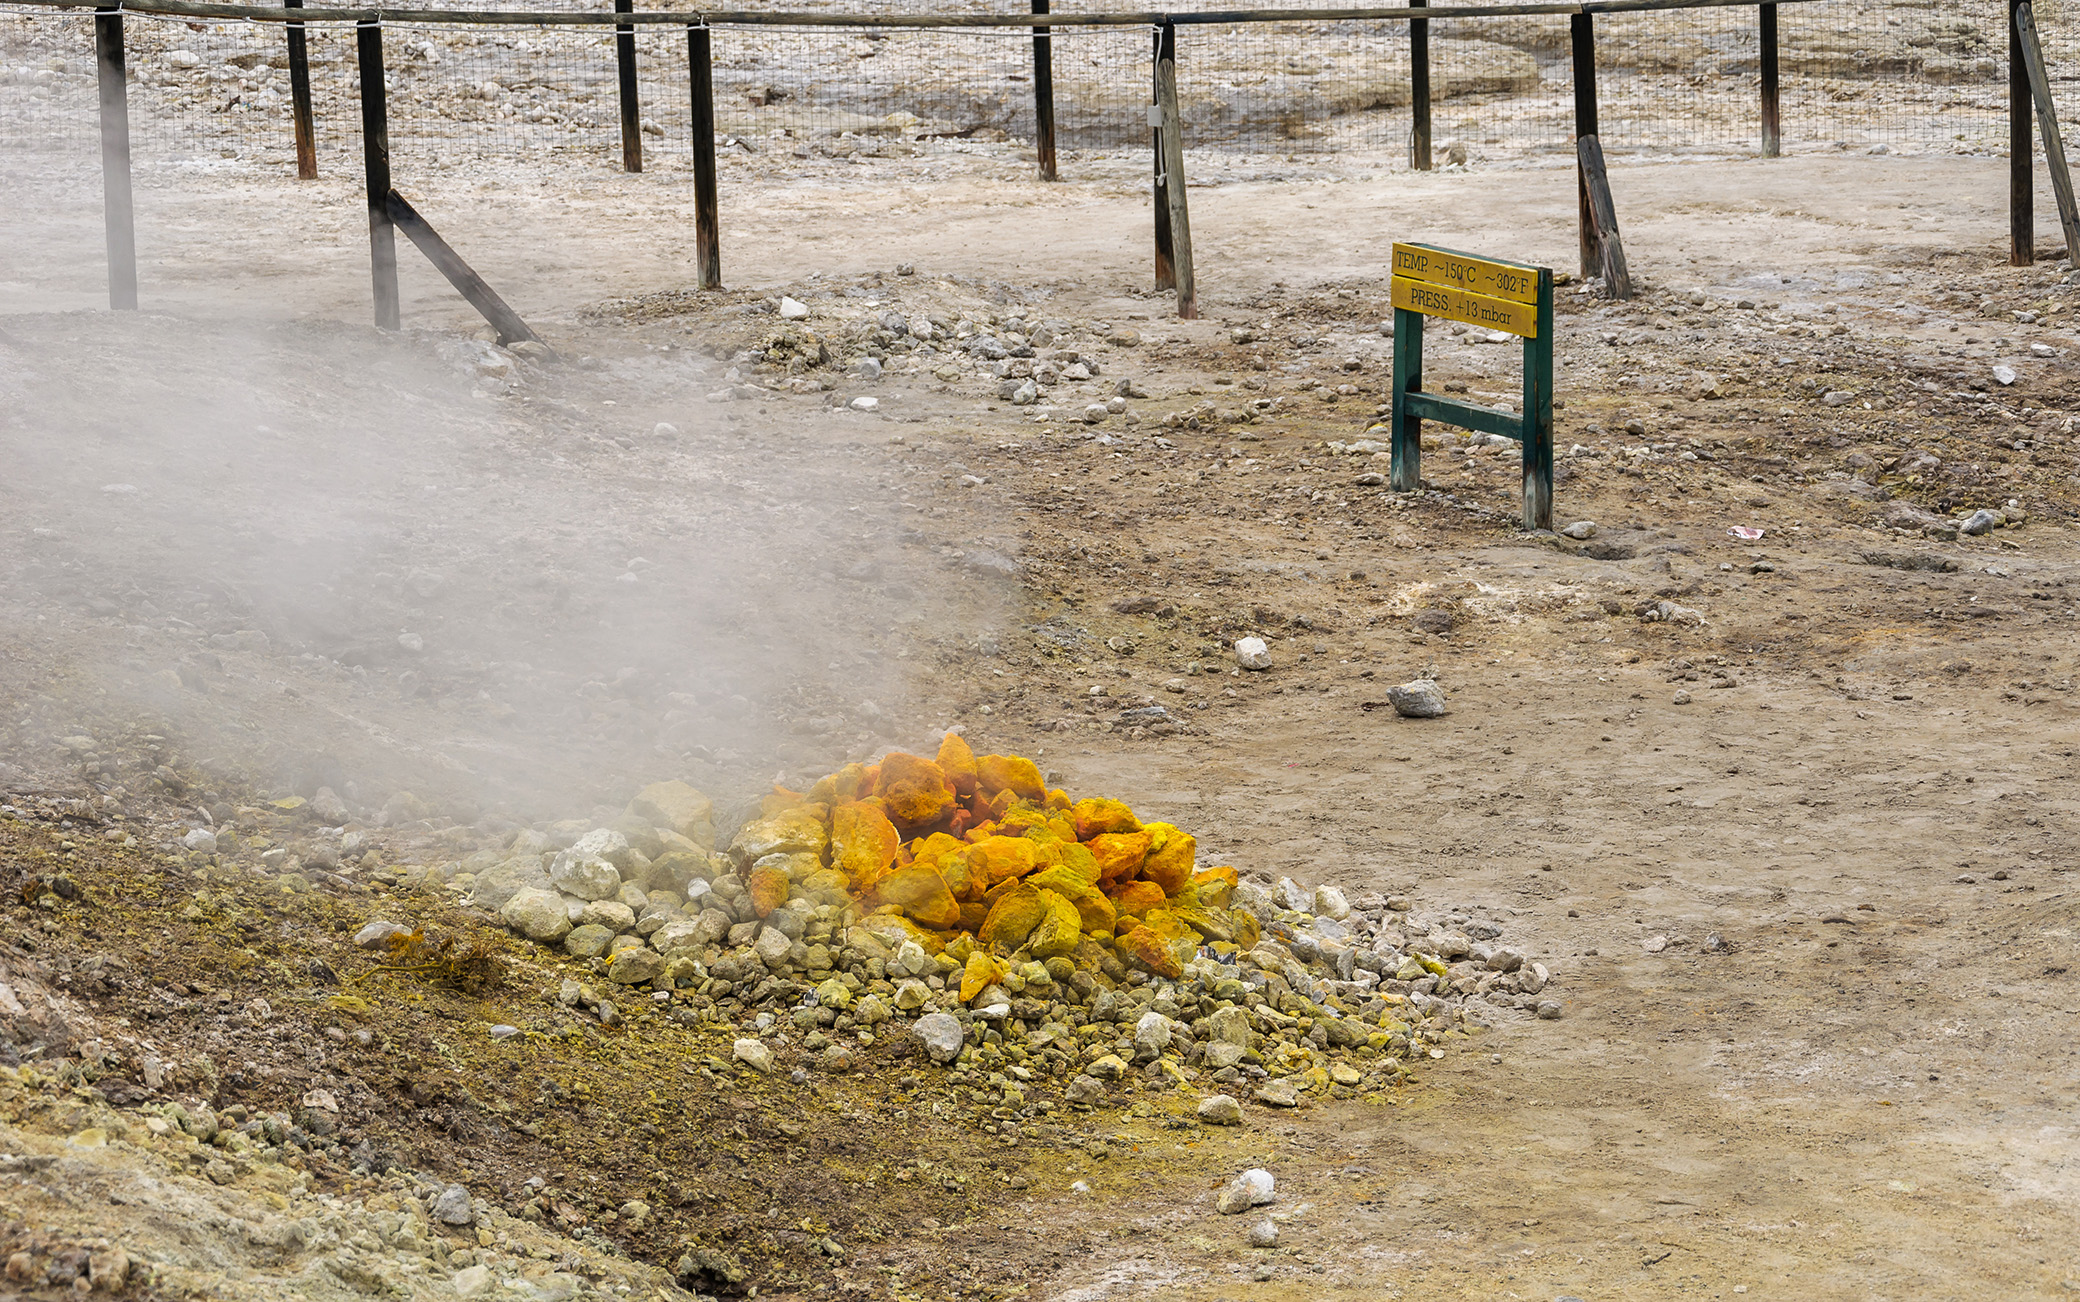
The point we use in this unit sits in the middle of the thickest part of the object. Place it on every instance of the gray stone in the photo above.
(1227, 1025)
(753, 1054)
(941, 1035)
(636, 965)
(588, 941)
(452, 1207)
(499, 883)
(1264, 1234)
(1151, 1035)
(201, 840)
(329, 808)
(772, 946)
(1252, 654)
(1220, 1110)
(1838, 397)
(1277, 1094)
(679, 933)
(1420, 699)
(1580, 530)
(587, 876)
(1976, 525)
(1219, 1054)
(611, 914)
(1084, 1089)
(1109, 1067)
(1549, 1010)
(536, 914)
(912, 995)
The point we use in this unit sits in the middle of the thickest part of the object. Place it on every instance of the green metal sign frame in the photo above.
(1532, 427)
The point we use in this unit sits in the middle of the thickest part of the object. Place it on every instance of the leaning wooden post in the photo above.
(300, 99)
(1772, 132)
(707, 222)
(1581, 33)
(1603, 218)
(2047, 123)
(375, 147)
(1419, 89)
(2022, 216)
(1043, 96)
(631, 101)
(118, 213)
(1166, 46)
(1173, 183)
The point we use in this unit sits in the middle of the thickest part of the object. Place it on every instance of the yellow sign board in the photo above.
(1483, 276)
(1458, 305)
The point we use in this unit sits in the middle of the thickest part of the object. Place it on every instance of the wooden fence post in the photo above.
(1603, 218)
(466, 281)
(707, 221)
(1165, 48)
(300, 99)
(1043, 96)
(1173, 181)
(1581, 33)
(2047, 124)
(1419, 89)
(631, 99)
(118, 213)
(375, 147)
(1772, 132)
(2022, 215)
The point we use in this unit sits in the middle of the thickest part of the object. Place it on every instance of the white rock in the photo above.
(753, 1054)
(941, 1035)
(1251, 653)
(921, 327)
(1421, 699)
(791, 309)
(474, 1282)
(2005, 374)
(772, 946)
(864, 403)
(202, 839)
(1253, 1188)
(1264, 1234)
(1329, 903)
(375, 933)
(911, 958)
(1580, 530)
(586, 876)
(537, 914)
(1220, 1110)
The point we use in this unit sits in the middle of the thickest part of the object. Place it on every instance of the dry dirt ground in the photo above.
(1799, 858)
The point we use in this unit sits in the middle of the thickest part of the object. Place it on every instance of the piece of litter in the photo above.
(1746, 533)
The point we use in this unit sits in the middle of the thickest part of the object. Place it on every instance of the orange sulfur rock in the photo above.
(915, 790)
(768, 888)
(1013, 773)
(957, 762)
(863, 843)
(976, 857)
(1098, 815)
(997, 858)
(1148, 948)
(1119, 854)
(1170, 854)
(1137, 898)
(1216, 886)
(921, 893)
(981, 973)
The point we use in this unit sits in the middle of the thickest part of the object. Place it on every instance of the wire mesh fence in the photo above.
(1909, 75)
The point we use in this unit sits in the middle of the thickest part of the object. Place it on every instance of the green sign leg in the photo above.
(1537, 437)
(1406, 471)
